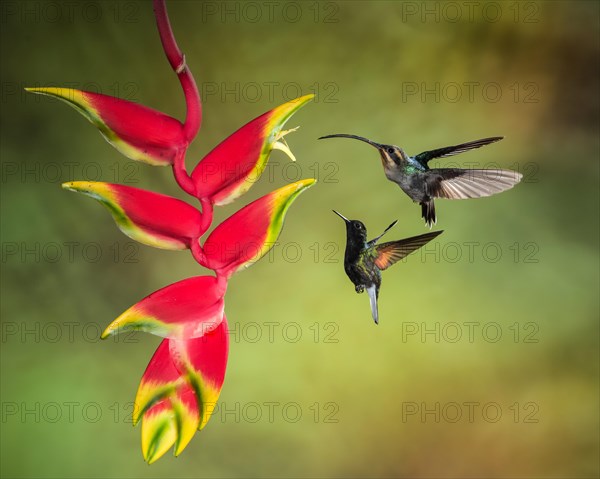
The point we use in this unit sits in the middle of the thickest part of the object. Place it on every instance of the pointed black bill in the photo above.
(355, 137)
(341, 216)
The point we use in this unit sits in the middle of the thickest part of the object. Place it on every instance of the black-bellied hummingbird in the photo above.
(364, 260)
(422, 184)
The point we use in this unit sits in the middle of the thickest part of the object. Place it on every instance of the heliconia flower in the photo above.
(247, 235)
(233, 166)
(150, 218)
(186, 309)
(138, 132)
(179, 390)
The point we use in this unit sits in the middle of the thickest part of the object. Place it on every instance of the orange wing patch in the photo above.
(394, 251)
(387, 255)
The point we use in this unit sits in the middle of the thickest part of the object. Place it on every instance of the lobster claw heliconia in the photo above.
(183, 380)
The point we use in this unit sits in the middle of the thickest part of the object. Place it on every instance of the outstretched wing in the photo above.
(426, 156)
(457, 184)
(394, 251)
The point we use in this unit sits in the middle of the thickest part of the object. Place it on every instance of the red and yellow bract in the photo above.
(234, 165)
(150, 218)
(139, 132)
(246, 236)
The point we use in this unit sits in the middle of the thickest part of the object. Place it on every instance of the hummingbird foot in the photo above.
(360, 288)
(281, 144)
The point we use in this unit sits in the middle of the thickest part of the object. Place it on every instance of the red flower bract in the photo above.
(139, 132)
(237, 162)
(186, 309)
(150, 218)
(247, 235)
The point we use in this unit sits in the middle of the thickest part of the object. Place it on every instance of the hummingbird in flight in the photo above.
(422, 184)
(365, 260)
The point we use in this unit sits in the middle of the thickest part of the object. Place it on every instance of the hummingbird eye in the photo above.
(390, 150)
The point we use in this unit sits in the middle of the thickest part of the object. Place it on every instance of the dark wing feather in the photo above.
(457, 184)
(375, 240)
(427, 156)
(394, 251)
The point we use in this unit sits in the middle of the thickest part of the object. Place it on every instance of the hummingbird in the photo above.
(422, 184)
(365, 260)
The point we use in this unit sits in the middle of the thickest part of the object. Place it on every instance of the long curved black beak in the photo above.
(341, 216)
(361, 138)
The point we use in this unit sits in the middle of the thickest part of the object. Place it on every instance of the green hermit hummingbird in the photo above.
(422, 184)
(365, 260)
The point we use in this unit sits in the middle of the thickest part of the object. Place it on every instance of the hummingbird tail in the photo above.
(373, 293)
(428, 212)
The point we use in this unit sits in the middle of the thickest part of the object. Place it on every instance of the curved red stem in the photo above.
(207, 214)
(222, 281)
(198, 252)
(176, 58)
(182, 177)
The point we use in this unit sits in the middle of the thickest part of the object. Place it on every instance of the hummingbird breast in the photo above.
(411, 182)
(364, 271)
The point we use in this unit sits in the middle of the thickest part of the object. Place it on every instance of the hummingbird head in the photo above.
(391, 155)
(355, 230)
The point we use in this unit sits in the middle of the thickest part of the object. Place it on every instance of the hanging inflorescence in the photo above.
(183, 380)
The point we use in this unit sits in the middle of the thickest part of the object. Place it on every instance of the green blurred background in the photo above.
(504, 384)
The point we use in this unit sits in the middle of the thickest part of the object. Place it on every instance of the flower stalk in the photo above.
(177, 61)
